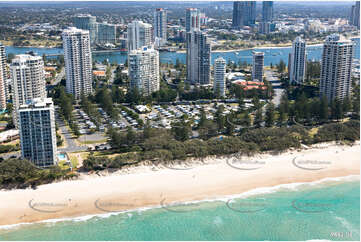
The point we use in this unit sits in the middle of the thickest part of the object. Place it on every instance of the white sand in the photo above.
(148, 186)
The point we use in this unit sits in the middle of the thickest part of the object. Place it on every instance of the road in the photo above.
(6, 156)
(59, 77)
(276, 85)
(112, 77)
(71, 144)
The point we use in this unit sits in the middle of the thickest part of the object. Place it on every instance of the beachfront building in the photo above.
(198, 58)
(87, 22)
(336, 66)
(144, 70)
(106, 33)
(193, 22)
(257, 66)
(219, 85)
(139, 35)
(28, 80)
(244, 14)
(298, 61)
(37, 132)
(160, 27)
(78, 62)
(3, 78)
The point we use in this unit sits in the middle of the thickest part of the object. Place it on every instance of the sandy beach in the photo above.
(154, 186)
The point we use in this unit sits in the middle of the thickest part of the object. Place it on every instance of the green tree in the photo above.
(220, 118)
(181, 131)
(283, 109)
(281, 66)
(256, 103)
(202, 119)
(336, 109)
(323, 110)
(346, 105)
(258, 119)
(270, 115)
(229, 126)
(147, 130)
(131, 136)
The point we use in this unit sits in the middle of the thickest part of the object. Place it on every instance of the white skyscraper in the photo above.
(219, 85)
(37, 132)
(3, 60)
(144, 70)
(298, 61)
(3, 77)
(257, 68)
(198, 58)
(160, 26)
(78, 62)
(28, 80)
(193, 16)
(139, 35)
(336, 67)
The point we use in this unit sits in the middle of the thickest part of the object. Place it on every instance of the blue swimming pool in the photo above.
(62, 156)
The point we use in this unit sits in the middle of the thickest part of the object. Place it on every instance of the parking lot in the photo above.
(158, 116)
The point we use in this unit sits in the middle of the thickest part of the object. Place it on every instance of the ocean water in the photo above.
(272, 55)
(328, 209)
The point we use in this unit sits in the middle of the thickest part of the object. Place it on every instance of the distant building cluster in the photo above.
(100, 33)
(244, 14)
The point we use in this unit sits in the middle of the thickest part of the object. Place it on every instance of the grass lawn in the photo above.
(73, 159)
(77, 158)
(90, 142)
(63, 138)
(313, 131)
(62, 165)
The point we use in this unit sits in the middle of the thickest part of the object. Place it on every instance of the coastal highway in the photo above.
(72, 146)
(276, 85)
(59, 77)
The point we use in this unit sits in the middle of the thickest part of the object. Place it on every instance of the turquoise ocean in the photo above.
(328, 209)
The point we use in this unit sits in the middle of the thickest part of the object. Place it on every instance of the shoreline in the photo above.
(270, 46)
(250, 193)
(145, 187)
(281, 46)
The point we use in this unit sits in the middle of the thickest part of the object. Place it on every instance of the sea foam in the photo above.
(250, 193)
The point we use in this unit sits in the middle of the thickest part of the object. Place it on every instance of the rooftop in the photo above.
(37, 103)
